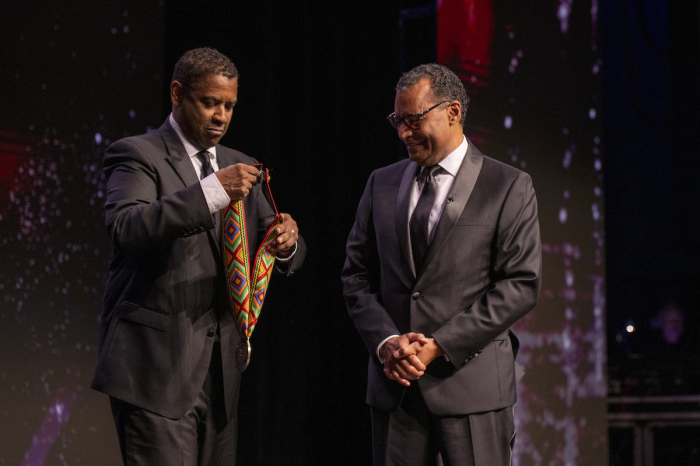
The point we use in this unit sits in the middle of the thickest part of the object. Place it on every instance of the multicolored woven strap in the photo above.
(247, 286)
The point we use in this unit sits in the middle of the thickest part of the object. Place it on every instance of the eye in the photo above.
(412, 119)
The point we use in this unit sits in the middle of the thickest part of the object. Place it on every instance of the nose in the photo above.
(403, 131)
(222, 114)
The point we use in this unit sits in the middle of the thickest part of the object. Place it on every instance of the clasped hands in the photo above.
(237, 180)
(406, 357)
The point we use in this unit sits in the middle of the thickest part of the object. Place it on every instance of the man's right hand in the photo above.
(407, 368)
(237, 180)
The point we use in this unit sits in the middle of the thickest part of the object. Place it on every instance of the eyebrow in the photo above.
(216, 99)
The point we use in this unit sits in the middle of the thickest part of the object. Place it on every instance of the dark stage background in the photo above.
(316, 84)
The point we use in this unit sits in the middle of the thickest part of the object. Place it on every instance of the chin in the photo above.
(207, 143)
(418, 158)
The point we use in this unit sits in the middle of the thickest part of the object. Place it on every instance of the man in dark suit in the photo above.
(443, 258)
(168, 339)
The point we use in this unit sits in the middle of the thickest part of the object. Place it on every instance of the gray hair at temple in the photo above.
(445, 85)
(197, 64)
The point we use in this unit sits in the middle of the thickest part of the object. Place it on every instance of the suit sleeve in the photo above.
(138, 215)
(515, 275)
(360, 278)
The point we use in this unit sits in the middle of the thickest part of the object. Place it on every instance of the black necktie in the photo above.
(421, 216)
(207, 169)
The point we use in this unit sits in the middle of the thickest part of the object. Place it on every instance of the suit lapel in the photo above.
(460, 192)
(177, 156)
(401, 214)
(180, 161)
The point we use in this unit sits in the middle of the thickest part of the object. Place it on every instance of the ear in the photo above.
(177, 93)
(454, 112)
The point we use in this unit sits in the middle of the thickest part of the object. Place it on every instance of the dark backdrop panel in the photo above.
(651, 108)
(75, 76)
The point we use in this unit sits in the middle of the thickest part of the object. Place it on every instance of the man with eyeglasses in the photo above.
(443, 258)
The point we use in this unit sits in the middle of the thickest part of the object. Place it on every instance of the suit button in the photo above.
(211, 332)
(415, 295)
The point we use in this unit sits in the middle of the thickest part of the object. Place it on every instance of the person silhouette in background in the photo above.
(670, 338)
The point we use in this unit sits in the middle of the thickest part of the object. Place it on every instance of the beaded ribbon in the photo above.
(246, 290)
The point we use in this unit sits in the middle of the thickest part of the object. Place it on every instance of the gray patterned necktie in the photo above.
(421, 216)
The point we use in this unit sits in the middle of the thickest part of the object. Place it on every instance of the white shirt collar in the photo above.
(453, 161)
(190, 148)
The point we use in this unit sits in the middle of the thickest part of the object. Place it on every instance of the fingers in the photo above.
(417, 337)
(393, 376)
(237, 180)
(287, 235)
(410, 367)
(403, 372)
(417, 364)
(404, 362)
(418, 341)
(405, 352)
(410, 354)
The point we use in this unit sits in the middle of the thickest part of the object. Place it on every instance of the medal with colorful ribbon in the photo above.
(246, 284)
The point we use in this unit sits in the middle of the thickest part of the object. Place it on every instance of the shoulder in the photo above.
(503, 168)
(494, 169)
(391, 172)
(227, 156)
(150, 140)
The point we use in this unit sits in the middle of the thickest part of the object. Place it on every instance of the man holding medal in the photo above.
(195, 234)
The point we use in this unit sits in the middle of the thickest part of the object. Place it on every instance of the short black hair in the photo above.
(197, 64)
(444, 84)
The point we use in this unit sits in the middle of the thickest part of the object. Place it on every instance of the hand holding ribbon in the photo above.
(287, 236)
(237, 180)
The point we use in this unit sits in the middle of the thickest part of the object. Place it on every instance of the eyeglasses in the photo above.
(413, 120)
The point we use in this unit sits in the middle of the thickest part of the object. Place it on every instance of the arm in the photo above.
(139, 215)
(290, 247)
(360, 279)
(515, 274)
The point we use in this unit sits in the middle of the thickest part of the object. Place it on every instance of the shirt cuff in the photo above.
(288, 258)
(379, 346)
(214, 193)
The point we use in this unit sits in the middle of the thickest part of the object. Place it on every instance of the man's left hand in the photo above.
(425, 350)
(288, 233)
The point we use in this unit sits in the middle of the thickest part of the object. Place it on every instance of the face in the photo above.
(440, 131)
(672, 325)
(205, 112)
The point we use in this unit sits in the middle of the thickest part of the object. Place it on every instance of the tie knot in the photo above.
(207, 169)
(430, 172)
(203, 155)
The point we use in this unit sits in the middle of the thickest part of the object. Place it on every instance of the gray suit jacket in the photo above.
(165, 292)
(481, 274)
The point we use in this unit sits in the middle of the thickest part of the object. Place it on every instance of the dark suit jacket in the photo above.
(481, 274)
(164, 294)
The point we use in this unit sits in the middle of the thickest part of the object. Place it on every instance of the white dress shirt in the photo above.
(445, 180)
